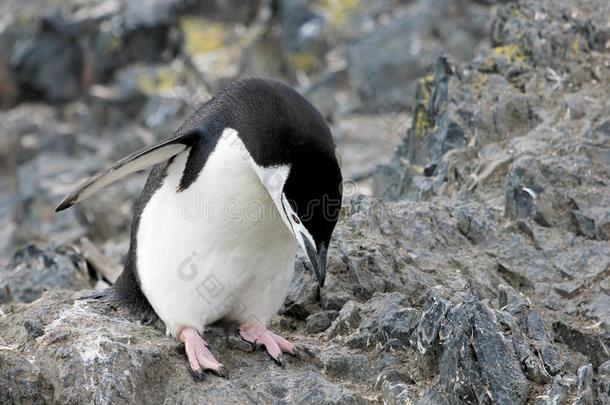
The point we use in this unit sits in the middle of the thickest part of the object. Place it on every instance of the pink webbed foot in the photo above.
(274, 344)
(199, 356)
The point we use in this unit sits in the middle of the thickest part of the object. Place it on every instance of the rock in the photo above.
(385, 318)
(34, 270)
(410, 45)
(302, 35)
(499, 367)
(320, 321)
(48, 66)
(23, 380)
(110, 357)
(433, 314)
(556, 394)
(359, 158)
(590, 344)
(303, 294)
(586, 393)
(60, 52)
(485, 369)
(484, 280)
(603, 384)
(395, 394)
(433, 397)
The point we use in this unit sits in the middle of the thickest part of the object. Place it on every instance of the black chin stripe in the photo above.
(285, 213)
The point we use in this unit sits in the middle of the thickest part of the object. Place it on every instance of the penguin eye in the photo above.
(296, 219)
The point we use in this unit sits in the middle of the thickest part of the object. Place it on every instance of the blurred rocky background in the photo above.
(471, 264)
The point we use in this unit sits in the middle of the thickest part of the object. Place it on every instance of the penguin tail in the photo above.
(114, 298)
(134, 162)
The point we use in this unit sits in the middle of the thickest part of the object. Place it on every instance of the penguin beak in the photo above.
(317, 259)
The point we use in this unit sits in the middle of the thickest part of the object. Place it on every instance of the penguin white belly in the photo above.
(217, 250)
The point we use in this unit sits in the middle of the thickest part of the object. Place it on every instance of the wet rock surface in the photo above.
(478, 274)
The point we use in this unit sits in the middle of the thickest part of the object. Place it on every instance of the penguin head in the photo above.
(314, 192)
(293, 153)
(308, 197)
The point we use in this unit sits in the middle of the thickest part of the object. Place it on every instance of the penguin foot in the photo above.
(199, 356)
(274, 344)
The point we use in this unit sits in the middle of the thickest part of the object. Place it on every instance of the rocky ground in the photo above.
(478, 272)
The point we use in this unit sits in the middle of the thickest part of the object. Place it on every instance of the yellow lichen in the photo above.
(22, 20)
(157, 81)
(304, 60)
(201, 35)
(575, 46)
(478, 84)
(339, 10)
(424, 85)
(423, 97)
(421, 122)
(512, 54)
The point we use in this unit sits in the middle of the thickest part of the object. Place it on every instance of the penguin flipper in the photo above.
(134, 162)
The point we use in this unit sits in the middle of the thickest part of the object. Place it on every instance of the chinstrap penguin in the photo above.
(245, 180)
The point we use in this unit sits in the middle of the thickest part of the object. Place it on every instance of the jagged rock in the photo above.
(477, 363)
(432, 317)
(384, 82)
(34, 270)
(557, 393)
(320, 321)
(590, 344)
(470, 289)
(92, 353)
(603, 384)
(48, 66)
(302, 35)
(56, 53)
(586, 393)
(384, 318)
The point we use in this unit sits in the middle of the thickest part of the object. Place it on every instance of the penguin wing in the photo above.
(132, 163)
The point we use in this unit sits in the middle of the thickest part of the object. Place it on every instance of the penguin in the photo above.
(247, 179)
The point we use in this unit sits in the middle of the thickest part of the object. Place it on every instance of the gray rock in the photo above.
(477, 363)
(385, 318)
(92, 353)
(586, 393)
(432, 318)
(603, 383)
(410, 44)
(395, 393)
(422, 274)
(591, 344)
(557, 393)
(34, 270)
(500, 369)
(320, 321)
(22, 381)
(49, 66)
(303, 294)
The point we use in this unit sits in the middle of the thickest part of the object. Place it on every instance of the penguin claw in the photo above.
(199, 356)
(279, 360)
(258, 336)
(254, 345)
(198, 375)
(222, 372)
(296, 353)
